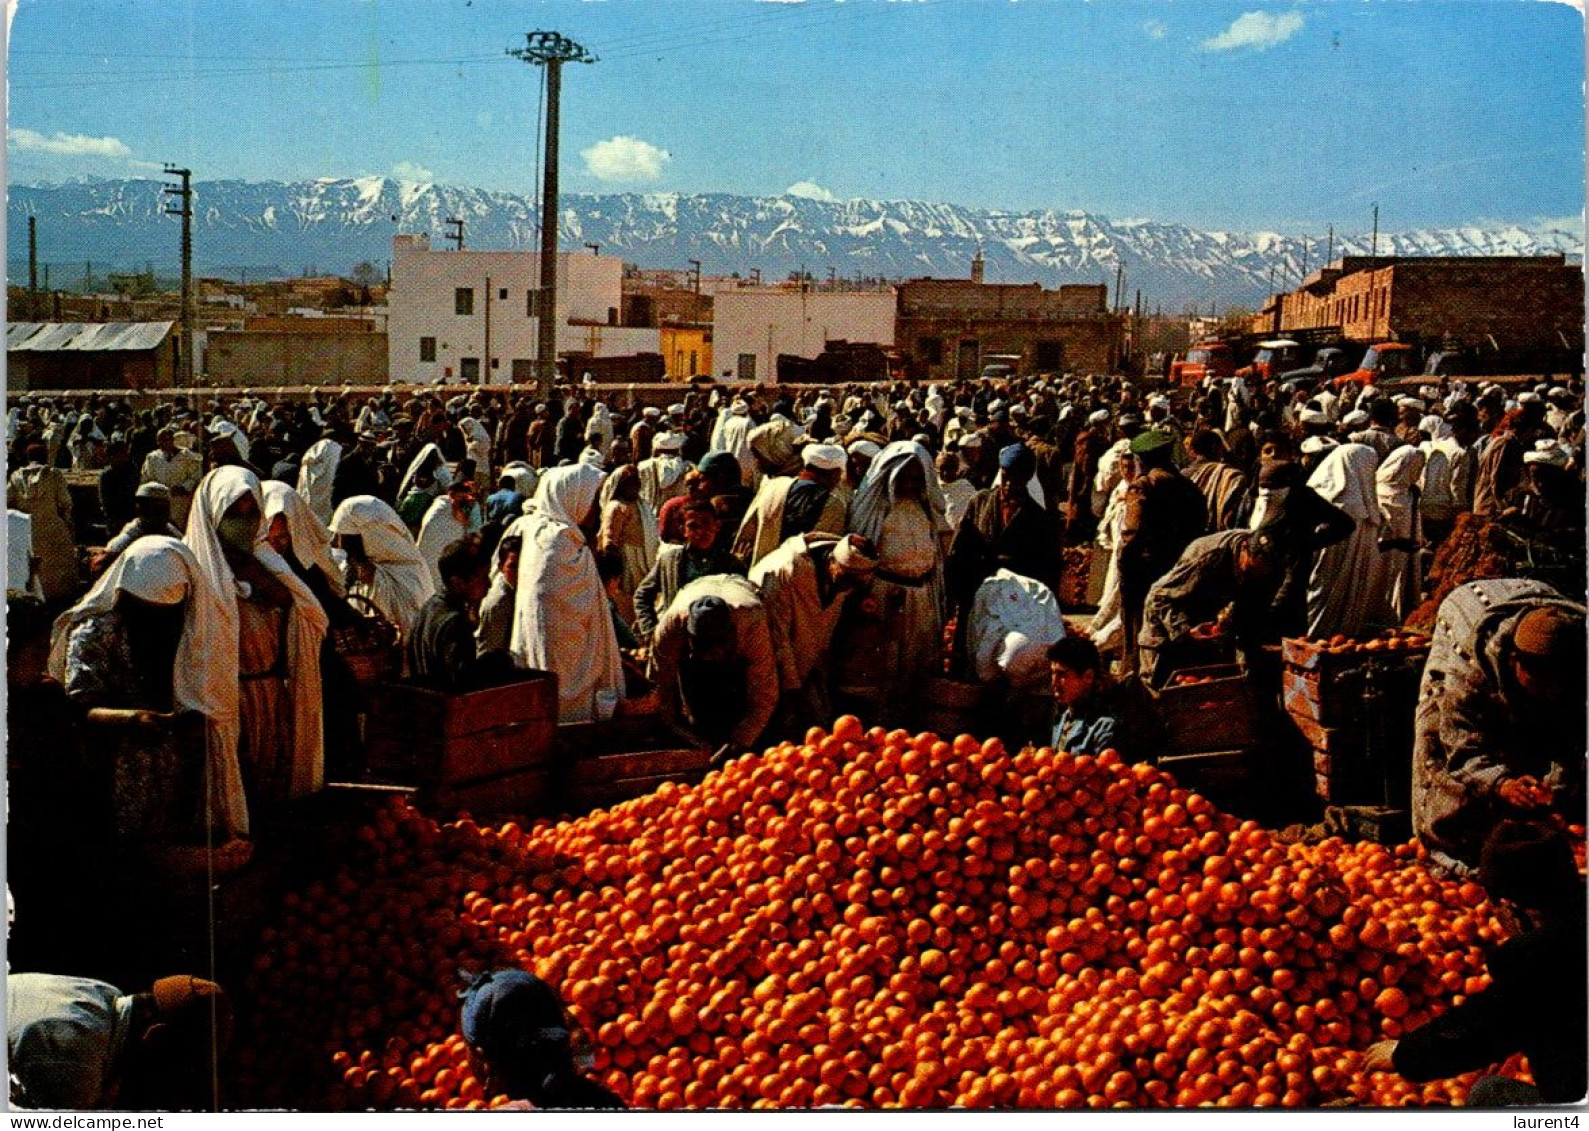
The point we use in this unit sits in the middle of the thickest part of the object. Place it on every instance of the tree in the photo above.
(366, 274)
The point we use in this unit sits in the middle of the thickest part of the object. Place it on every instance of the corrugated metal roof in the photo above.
(84, 337)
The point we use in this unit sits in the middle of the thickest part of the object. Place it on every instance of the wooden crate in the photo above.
(1328, 740)
(625, 757)
(522, 792)
(1218, 715)
(637, 764)
(1216, 772)
(1329, 698)
(439, 741)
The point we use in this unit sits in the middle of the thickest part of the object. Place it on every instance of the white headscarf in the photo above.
(402, 581)
(311, 541)
(524, 477)
(316, 475)
(600, 424)
(561, 620)
(161, 570)
(439, 529)
(1346, 478)
(874, 498)
(441, 477)
(226, 429)
(477, 444)
(306, 622)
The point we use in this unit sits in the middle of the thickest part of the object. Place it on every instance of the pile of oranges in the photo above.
(877, 919)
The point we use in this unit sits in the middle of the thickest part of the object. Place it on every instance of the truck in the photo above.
(1328, 364)
(1274, 356)
(1384, 361)
(1205, 359)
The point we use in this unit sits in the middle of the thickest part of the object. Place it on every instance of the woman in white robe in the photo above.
(387, 566)
(629, 529)
(316, 475)
(562, 622)
(1396, 487)
(1108, 627)
(279, 703)
(477, 447)
(158, 792)
(448, 519)
(311, 540)
(1341, 589)
(900, 507)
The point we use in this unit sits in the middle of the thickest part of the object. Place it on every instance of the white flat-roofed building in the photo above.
(751, 326)
(473, 316)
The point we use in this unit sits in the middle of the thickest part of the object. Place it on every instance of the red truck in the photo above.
(1205, 359)
(1273, 358)
(1383, 362)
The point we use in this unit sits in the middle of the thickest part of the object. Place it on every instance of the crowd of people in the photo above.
(495, 532)
(755, 561)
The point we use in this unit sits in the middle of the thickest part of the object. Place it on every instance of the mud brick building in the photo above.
(947, 327)
(1505, 302)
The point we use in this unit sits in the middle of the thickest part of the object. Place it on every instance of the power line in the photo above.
(673, 40)
(143, 78)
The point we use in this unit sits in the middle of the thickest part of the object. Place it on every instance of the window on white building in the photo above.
(747, 367)
(469, 369)
(463, 300)
(502, 294)
(427, 349)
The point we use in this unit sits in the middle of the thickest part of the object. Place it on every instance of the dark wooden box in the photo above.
(442, 742)
(1218, 715)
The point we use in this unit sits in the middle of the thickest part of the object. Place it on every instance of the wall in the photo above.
(243, 358)
(421, 304)
(80, 369)
(766, 322)
(963, 298)
(1085, 345)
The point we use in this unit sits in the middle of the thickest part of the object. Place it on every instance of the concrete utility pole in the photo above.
(185, 193)
(1120, 281)
(1373, 247)
(33, 268)
(456, 235)
(695, 270)
(549, 49)
(1329, 255)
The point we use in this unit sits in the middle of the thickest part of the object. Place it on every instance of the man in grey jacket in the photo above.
(1499, 731)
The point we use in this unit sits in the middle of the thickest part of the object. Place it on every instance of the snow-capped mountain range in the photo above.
(331, 224)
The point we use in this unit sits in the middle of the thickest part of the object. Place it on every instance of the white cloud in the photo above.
(68, 145)
(1155, 29)
(810, 190)
(1257, 30)
(412, 171)
(624, 158)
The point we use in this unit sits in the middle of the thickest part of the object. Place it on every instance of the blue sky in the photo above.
(1242, 116)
